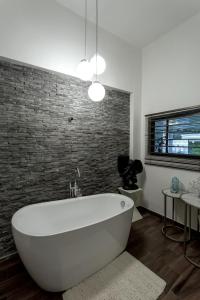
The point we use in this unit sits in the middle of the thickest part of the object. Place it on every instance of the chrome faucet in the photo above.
(78, 172)
(75, 190)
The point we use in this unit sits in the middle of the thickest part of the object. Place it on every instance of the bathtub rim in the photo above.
(31, 235)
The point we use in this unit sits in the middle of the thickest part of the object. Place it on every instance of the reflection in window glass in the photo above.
(176, 136)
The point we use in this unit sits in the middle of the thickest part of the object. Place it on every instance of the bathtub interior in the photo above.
(55, 217)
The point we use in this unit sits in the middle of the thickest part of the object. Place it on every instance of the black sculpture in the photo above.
(128, 170)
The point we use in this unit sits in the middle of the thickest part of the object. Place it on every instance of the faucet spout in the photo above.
(75, 190)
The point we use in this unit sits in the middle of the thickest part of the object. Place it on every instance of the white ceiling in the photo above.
(138, 22)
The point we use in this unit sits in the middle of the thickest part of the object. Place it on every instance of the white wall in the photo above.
(45, 34)
(170, 80)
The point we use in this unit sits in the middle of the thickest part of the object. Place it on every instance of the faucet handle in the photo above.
(78, 172)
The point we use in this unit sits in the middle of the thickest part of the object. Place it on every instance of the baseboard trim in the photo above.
(144, 210)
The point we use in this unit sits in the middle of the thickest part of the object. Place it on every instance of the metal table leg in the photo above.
(185, 244)
(185, 230)
(190, 221)
(173, 209)
(168, 226)
(165, 213)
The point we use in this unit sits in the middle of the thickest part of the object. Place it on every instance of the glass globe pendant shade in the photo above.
(96, 91)
(84, 70)
(101, 64)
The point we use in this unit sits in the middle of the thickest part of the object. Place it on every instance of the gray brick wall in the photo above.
(39, 148)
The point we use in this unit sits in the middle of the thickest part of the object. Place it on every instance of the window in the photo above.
(176, 136)
(173, 138)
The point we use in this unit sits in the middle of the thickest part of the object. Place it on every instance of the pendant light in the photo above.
(101, 64)
(84, 69)
(96, 90)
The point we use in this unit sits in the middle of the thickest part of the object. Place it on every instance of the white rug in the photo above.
(125, 278)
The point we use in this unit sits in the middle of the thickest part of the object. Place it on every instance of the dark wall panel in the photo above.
(40, 148)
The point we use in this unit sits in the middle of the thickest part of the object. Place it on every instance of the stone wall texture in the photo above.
(40, 148)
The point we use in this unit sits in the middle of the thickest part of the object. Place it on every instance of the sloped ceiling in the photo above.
(138, 22)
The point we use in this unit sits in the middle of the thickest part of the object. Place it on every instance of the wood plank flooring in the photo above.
(146, 243)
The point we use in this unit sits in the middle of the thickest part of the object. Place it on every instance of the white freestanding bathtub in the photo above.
(62, 242)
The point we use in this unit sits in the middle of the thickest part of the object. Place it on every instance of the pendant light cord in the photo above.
(85, 29)
(97, 23)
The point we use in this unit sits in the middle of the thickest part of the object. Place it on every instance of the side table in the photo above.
(174, 196)
(190, 200)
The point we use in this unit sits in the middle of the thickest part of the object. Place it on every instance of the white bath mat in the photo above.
(125, 278)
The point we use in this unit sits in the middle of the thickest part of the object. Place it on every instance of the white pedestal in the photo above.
(136, 196)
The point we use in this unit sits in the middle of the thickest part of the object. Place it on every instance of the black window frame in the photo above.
(182, 161)
(167, 118)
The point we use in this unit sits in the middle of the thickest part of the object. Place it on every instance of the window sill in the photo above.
(173, 162)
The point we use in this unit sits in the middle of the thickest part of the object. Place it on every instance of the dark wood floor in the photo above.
(146, 243)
